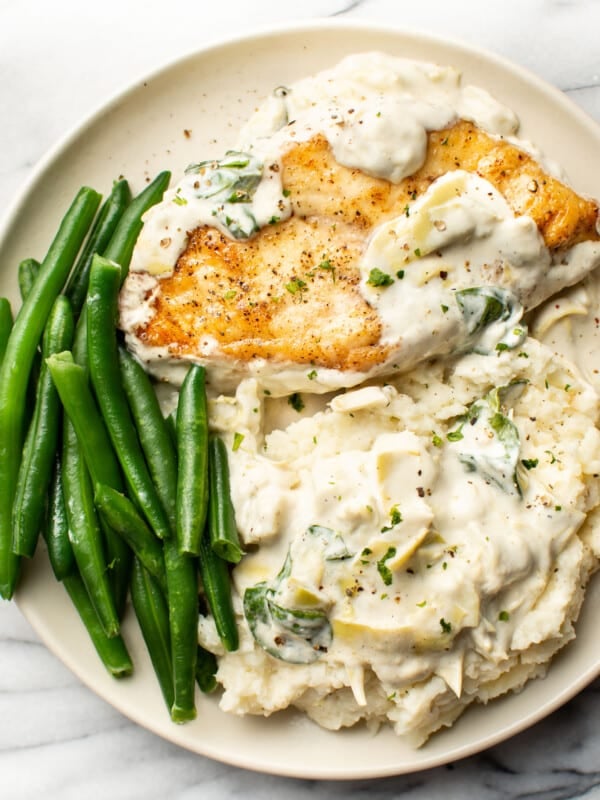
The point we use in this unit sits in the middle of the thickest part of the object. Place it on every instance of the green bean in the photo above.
(97, 242)
(105, 278)
(192, 456)
(76, 395)
(122, 516)
(20, 351)
(85, 533)
(42, 437)
(120, 247)
(152, 429)
(28, 271)
(171, 422)
(112, 650)
(182, 598)
(94, 448)
(224, 537)
(217, 590)
(118, 553)
(153, 616)
(56, 528)
(6, 323)
(206, 668)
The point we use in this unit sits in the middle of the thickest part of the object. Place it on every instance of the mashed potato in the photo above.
(422, 544)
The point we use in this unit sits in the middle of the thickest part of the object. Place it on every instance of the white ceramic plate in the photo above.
(141, 132)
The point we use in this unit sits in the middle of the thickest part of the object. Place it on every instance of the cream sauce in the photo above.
(375, 112)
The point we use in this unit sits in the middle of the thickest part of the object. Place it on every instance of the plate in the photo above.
(189, 110)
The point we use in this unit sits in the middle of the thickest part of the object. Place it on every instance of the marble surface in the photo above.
(58, 61)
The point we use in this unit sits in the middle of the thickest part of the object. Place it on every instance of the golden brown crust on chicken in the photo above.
(290, 294)
(314, 178)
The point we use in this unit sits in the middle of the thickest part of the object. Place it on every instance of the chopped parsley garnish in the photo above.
(444, 308)
(379, 278)
(229, 294)
(454, 436)
(383, 569)
(286, 192)
(504, 616)
(296, 401)
(446, 626)
(530, 463)
(238, 438)
(395, 516)
(395, 519)
(296, 285)
(180, 201)
(400, 274)
(436, 440)
(312, 375)
(418, 252)
(501, 347)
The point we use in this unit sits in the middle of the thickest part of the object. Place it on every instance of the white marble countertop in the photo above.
(58, 61)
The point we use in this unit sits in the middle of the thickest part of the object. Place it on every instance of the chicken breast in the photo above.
(292, 296)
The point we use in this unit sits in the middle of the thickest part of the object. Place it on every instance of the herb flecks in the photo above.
(383, 569)
(327, 266)
(296, 285)
(379, 278)
(530, 463)
(296, 401)
(395, 519)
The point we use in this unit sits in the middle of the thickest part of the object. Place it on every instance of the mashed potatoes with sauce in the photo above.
(422, 544)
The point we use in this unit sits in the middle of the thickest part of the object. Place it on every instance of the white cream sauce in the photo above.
(375, 111)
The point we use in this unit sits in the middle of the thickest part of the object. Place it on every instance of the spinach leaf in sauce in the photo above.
(492, 317)
(300, 634)
(230, 184)
(487, 440)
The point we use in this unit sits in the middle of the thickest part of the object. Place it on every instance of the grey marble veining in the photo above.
(58, 61)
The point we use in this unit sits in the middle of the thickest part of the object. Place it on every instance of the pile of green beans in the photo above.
(129, 503)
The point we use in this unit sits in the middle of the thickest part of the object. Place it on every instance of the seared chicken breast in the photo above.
(291, 293)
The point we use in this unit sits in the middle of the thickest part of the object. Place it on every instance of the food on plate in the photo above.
(385, 488)
(417, 539)
(365, 198)
(422, 544)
